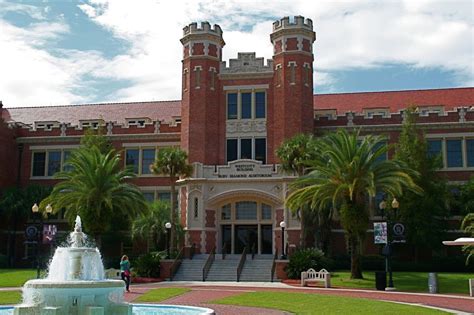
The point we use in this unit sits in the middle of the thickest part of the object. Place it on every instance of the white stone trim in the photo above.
(245, 87)
(150, 144)
(54, 147)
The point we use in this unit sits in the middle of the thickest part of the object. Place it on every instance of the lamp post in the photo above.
(283, 226)
(168, 228)
(35, 210)
(390, 287)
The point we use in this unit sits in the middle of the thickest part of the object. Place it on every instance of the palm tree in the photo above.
(172, 162)
(468, 226)
(345, 175)
(95, 188)
(294, 154)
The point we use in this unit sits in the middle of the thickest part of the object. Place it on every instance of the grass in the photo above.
(158, 295)
(10, 297)
(15, 277)
(304, 303)
(407, 281)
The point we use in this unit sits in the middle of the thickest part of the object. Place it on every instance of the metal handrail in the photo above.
(192, 251)
(224, 250)
(253, 251)
(241, 263)
(176, 263)
(208, 264)
(275, 257)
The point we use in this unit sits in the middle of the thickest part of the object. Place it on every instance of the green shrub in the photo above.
(304, 259)
(148, 265)
(3, 261)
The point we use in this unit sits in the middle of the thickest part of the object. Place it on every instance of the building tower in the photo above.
(202, 53)
(293, 77)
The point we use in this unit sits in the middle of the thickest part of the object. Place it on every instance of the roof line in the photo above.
(92, 104)
(397, 91)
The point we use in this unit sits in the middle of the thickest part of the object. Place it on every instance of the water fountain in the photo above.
(76, 285)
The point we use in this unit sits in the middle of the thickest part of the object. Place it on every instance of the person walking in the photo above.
(125, 271)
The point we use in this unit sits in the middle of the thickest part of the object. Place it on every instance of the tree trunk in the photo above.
(302, 231)
(172, 239)
(356, 270)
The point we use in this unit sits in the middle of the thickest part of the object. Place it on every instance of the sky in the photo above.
(55, 52)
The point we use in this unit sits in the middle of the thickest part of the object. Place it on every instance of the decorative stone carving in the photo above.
(247, 126)
(350, 119)
(110, 127)
(157, 126)
(247, 63)
(63, 129)
(462, 115)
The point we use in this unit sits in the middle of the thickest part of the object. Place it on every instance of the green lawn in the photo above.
(10, 297)
(158, 295)
(407, 281)
(15, 277)
(305, 303)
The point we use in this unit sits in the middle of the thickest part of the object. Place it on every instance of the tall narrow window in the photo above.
(39, 163)
(260, 104)
(246, 105)
(261, 149)
(225, 213)
(266, 212)
(132, 159)
(148, 157)
(197, 69)
(232, 106)
(196, 208)
(246, 148)
(213, 78)
(185, 79)
(278, 75)
(231, 148)
(470, 152)
(54, 162)
(454, 153)
(306, 74)
(66, 155)
(292, 66)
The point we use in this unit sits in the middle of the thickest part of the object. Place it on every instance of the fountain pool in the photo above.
(76, 285)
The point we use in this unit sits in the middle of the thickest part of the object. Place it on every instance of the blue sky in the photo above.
(84, 51)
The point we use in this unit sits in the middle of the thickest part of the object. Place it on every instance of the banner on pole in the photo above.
(380, 232)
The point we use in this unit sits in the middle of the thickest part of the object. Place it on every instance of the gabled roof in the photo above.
(395, 100)
(116, 112)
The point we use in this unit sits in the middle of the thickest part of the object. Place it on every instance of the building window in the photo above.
(278, 75)
(246, 106)
(382, 157)
(261, 150)
(39, 163)
(197, 77)
(164, 196)
(246, 148)
(54, 162)
(132, 159)
(232, 106)
(212, 70)
(266, 212)
(292, 66)
(185, 79)
(434, 148)
(306, 74)
(260, 98)
(246, 210)
(225, 213)
(149, 196)
(148, 157)
(196, 208)
(470, 152)
(454, 153)
(47, 163)
(231, 150)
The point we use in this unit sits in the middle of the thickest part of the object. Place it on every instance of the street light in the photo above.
(390, 287)
(35, 210)
(168, 228)
(283, 226)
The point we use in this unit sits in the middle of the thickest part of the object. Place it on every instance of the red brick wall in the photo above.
(210, 218)
(8, 156)
(210, 241)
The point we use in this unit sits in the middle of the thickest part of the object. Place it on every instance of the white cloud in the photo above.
(350, 35)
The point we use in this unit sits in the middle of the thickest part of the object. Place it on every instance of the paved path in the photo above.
(202, 293)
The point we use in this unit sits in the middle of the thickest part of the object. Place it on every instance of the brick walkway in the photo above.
(200, 295)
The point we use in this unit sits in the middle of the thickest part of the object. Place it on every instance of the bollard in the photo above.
(471, 287)
(433, 282)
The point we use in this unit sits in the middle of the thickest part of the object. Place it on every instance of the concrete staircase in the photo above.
(258, 269)
(191, 269)
(224, 269)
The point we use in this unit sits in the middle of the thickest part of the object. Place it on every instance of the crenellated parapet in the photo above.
(247, 63)
(293, 36)
(202, 41)
(204, 29)
(298, 22)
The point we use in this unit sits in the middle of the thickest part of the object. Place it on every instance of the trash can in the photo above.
(380, 280)
(433, 282)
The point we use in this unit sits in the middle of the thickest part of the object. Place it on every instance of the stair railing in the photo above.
(224, 250)
(176, 263)
(192, 252)
(275, 257)
(241, 263)
(253, 251)
(207, 266)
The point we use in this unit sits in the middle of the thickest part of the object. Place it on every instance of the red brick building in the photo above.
(230, 120)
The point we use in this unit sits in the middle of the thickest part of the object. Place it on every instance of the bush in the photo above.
(3, 261)
(304, 259)
(148, 265)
